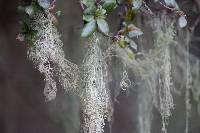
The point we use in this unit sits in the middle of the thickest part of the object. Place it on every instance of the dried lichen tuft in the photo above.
(165, 87)
(96, 96)
(48, 56)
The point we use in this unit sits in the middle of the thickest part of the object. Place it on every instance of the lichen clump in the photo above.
(96, 98)
(45, 51)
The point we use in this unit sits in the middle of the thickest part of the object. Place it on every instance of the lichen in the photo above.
(48, 56)
(96, 100)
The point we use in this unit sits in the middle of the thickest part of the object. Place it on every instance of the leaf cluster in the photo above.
(27, 10)
(95, 15)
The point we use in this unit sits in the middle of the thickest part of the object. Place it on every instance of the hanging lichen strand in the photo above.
(165, 96)
(45, 50)
(155, 71)
(145, 106)
(96, 96)
(148, 65)
(164, 35)
(48, 56)
(195, 70)
(188, 84)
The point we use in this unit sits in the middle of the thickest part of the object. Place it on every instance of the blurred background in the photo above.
(22, 104)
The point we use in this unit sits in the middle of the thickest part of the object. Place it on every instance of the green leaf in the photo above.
(88, 18)
(89, 28)
(131, 44)
(20, 9)
(131, 55)
(133, 31)
(172, 3)
(109, 5)
(122, 43)
(182, 21)
(137, 4)
(58, 13)
(88, 3)
(44, 3)
(100, 12)
(37, 7)
(89, 11)
(29, 10)
(103, 25)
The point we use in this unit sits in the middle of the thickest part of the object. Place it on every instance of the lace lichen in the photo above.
(149, 65)
(164, 35)
(48, 56)
(145, 106)
(165, 96)
(96, 99)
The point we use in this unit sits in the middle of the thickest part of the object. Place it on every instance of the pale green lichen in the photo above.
(48, 56)
(95, 96)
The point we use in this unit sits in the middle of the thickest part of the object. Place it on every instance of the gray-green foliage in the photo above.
(95, 18)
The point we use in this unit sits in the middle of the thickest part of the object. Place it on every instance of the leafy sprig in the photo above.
(95, 14)
(27, 10)
(95, 19)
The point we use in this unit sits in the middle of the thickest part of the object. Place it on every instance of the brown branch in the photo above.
(52, 6)
(178, 12)
(147, 7)
(167, 7)
(81, 5)
(113, 38)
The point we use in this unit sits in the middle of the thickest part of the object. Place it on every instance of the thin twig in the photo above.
(147, 7)
(167, 7)
(178, 12)
(113, 38)
(53, 5)
(81, 5)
